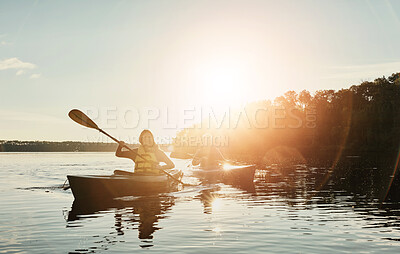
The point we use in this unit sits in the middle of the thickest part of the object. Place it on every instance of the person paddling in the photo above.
(147, 157)
(208, 156)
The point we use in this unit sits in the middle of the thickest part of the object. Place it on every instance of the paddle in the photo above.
(82, 119)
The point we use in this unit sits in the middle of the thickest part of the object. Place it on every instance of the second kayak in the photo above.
(228, 173)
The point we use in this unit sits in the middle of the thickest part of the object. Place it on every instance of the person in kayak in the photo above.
(147, 157)
(208, 156)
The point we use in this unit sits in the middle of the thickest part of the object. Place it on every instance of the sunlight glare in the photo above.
(226, 166)
(224, 82)
(217, 230)
(216, 204)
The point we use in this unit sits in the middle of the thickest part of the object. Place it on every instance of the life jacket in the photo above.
(145, 161)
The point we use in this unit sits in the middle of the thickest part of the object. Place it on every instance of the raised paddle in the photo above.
(82, 119)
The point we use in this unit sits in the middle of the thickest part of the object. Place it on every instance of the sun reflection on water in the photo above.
(227, 166)
(217, 230)
(216, 204)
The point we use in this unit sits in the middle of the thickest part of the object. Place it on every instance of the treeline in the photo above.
(64, 146)
(45, 146)
(362, 121)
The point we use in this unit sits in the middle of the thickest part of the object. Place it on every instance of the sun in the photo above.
(223, 83)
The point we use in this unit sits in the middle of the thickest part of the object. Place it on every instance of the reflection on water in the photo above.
(308, 199)
(212, 196)
(362, 193)
(287, 209)
(130, 213)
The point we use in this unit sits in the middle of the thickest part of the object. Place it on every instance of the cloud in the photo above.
(15, 63)
(20, 72)
(363, 72)
(35, 76)
(4, 43)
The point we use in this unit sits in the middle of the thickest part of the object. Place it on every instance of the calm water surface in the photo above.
(292, 210)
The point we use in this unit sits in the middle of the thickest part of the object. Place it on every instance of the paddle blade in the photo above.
(79, 117)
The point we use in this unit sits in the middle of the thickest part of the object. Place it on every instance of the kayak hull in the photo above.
(111, 186)
(232, 174)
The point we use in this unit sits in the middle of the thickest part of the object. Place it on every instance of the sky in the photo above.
(132, 65)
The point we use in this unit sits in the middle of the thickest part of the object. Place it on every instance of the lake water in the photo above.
(291, 210)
